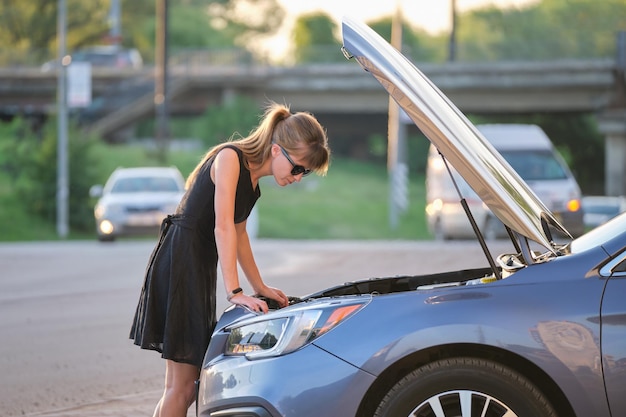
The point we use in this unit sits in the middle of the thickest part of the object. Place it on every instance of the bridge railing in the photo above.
(241, 57)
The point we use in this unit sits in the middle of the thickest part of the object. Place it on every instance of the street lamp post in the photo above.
(397, 166)
(62, 160)
(160, 87)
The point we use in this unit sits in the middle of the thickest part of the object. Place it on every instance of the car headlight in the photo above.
(280, 334)
(109, 210)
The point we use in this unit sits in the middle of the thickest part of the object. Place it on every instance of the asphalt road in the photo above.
(66, 310)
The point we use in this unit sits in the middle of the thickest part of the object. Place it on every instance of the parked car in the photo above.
(532, 155)
(539, 331)
(104, 56)
(600, 209)
(109, 56)
(135, 200)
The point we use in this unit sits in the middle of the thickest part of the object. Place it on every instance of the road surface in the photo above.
(66, 310)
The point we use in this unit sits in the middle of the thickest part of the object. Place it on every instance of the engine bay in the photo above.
(507, 263)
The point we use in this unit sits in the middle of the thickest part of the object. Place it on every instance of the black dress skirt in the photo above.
(176, 311)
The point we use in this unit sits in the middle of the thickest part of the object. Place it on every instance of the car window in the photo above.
(96, 59)
(535, 165)
(602, 209)
(145, 184)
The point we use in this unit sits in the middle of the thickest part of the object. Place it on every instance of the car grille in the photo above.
(142, 209)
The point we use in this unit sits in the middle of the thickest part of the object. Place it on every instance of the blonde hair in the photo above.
(299, 133)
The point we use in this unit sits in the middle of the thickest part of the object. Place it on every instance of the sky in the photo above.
(433, 16)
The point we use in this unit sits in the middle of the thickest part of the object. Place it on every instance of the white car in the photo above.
(532, 155)
(135, 200)
(599, 209)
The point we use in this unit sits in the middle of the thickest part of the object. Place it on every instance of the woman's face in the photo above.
(286, 168)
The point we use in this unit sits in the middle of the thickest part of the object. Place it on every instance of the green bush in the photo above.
(29, 159)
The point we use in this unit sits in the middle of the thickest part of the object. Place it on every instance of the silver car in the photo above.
(599, 209)
(134, 201)
(532, 155)
(539, 331)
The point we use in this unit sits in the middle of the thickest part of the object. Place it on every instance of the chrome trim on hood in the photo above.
(484, 169)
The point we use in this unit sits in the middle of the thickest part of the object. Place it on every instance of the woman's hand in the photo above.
(275, 294)
(253, 304)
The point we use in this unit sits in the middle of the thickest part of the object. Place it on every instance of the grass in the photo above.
(17, 224)
(350, 203)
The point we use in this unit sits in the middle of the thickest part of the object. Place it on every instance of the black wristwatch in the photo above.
(233, 293)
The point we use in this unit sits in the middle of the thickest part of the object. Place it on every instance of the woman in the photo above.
(176, 311)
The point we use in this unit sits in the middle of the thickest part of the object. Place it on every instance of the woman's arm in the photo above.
(250, 269)
(225, 175)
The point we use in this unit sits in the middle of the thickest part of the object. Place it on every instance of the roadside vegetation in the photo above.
(351, 202)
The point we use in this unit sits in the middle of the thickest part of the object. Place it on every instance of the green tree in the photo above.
(417, 44)
(315, 39)
(28, 29)
(237, 117)
(246, 21)
(137, 20)
(202, 24)
(547, 30)
(29, 158)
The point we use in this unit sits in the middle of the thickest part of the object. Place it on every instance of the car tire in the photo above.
(487, 388)
(109, 238)
(491, 228)
(438, 232)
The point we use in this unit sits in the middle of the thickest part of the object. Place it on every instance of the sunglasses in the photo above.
(297, 169)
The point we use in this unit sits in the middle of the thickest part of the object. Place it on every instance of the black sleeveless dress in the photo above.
(176, 310)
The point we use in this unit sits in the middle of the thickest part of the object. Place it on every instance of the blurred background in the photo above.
(156, 83)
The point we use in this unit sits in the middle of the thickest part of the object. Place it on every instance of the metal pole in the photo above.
(62, 141)
(160, 86)
(452, 44)
(115, 31)
(396, 166)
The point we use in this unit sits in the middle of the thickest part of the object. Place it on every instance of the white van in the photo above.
(533, 156)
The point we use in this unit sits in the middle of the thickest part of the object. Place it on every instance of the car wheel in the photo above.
(107, 238)
(438, 232)
(464, 387)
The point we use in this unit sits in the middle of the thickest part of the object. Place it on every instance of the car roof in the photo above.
(171, 172)
(506, 137)
(139, 172)
(147, 170)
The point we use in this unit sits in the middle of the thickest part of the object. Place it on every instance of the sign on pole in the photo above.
(79, 84)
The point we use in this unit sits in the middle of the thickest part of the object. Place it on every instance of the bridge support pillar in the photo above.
(228, 95)
(612, 123)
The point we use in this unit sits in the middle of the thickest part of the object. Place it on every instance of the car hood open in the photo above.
(456, 138)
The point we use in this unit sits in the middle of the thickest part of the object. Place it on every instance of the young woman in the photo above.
(176, 310)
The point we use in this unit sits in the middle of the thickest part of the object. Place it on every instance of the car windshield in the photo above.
(535, 165)
(145, 184)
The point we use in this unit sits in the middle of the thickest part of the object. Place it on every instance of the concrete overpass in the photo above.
(347, 101)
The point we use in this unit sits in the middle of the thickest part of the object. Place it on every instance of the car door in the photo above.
(613, 339)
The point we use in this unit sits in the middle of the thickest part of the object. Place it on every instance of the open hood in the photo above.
(456, 138)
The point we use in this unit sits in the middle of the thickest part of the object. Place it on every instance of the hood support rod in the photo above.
(472, 220)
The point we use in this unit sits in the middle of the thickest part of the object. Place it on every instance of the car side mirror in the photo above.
(95, 191)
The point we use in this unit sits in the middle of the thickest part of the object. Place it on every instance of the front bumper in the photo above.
(307, 383)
